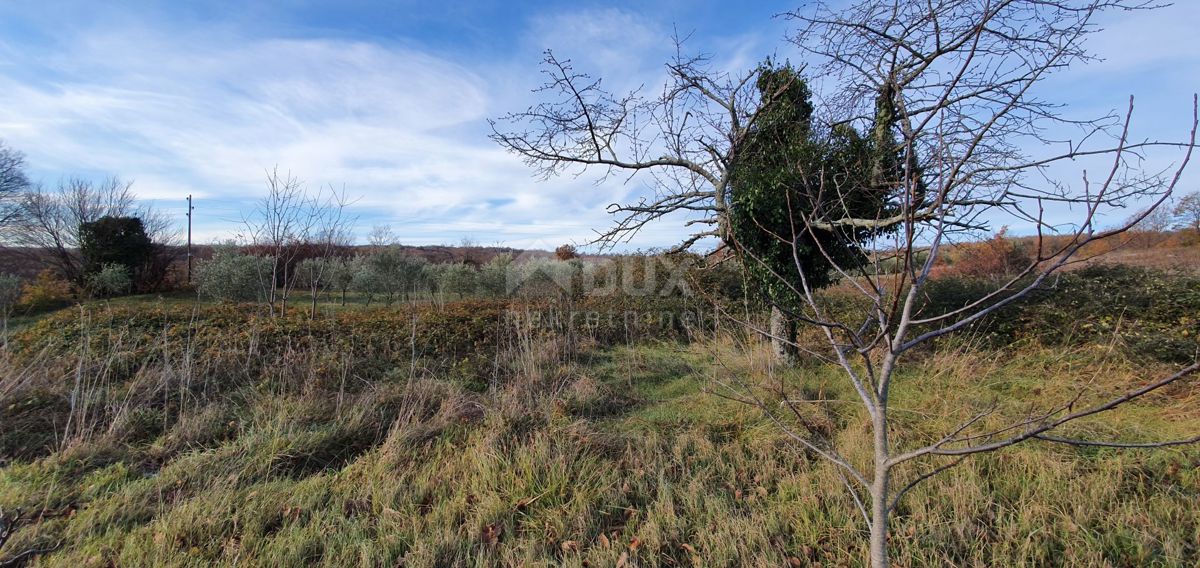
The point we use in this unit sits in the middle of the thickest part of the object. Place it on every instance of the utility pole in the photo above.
(189, 244)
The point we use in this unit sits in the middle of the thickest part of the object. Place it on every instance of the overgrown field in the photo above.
(478, 435)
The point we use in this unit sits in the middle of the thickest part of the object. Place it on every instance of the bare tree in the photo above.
(1187, 211)
(289, 223)
(381, 237)
(954, 82)
(13, 181)
(47, 221)
(332, 236)
(959, 77)
(685, 138)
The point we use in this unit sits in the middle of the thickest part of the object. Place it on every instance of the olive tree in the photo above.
(390, 273)
(341, 275)
(457, 278)
(493, 276)
(232, 276)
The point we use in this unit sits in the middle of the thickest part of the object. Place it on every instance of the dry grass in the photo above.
(574, 455)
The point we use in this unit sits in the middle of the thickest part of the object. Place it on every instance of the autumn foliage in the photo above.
(995, 257)
(566, 252)
(47, 291)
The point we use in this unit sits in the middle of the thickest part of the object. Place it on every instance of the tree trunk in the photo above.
(879, 493)
(284, 296)
(783, 336)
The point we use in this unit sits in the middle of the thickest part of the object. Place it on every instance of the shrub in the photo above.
(47, 292)
(232, 276)
(110, 280)
(566, 252)
(1152, 313)
(996, 257)
(10, 294)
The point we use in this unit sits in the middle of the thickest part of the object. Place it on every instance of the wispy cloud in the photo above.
(207, 114)
(204, 105)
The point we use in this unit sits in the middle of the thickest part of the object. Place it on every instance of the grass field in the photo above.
(132, 436)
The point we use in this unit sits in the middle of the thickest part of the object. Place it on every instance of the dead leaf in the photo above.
(491, 533)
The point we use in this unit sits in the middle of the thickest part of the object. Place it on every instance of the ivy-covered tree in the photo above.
(789, 172)
(114, 240)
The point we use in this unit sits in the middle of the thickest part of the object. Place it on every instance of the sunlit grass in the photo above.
(624, 452)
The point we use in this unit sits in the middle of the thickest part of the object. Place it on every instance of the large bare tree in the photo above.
(13, 181)
(47, 221)
(684, 141)
(978, 143)
(683, 138)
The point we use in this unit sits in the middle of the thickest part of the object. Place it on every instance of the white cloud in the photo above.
(611, 41)
(207, 115)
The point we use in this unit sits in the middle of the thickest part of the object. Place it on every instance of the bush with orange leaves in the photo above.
(993, 258)
(566, 252)
(47, 292)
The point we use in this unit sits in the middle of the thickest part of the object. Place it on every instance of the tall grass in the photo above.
(163, 442)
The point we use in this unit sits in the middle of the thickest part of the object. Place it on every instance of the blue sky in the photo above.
(390, 99)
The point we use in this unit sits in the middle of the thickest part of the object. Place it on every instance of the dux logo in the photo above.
(635, 275)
